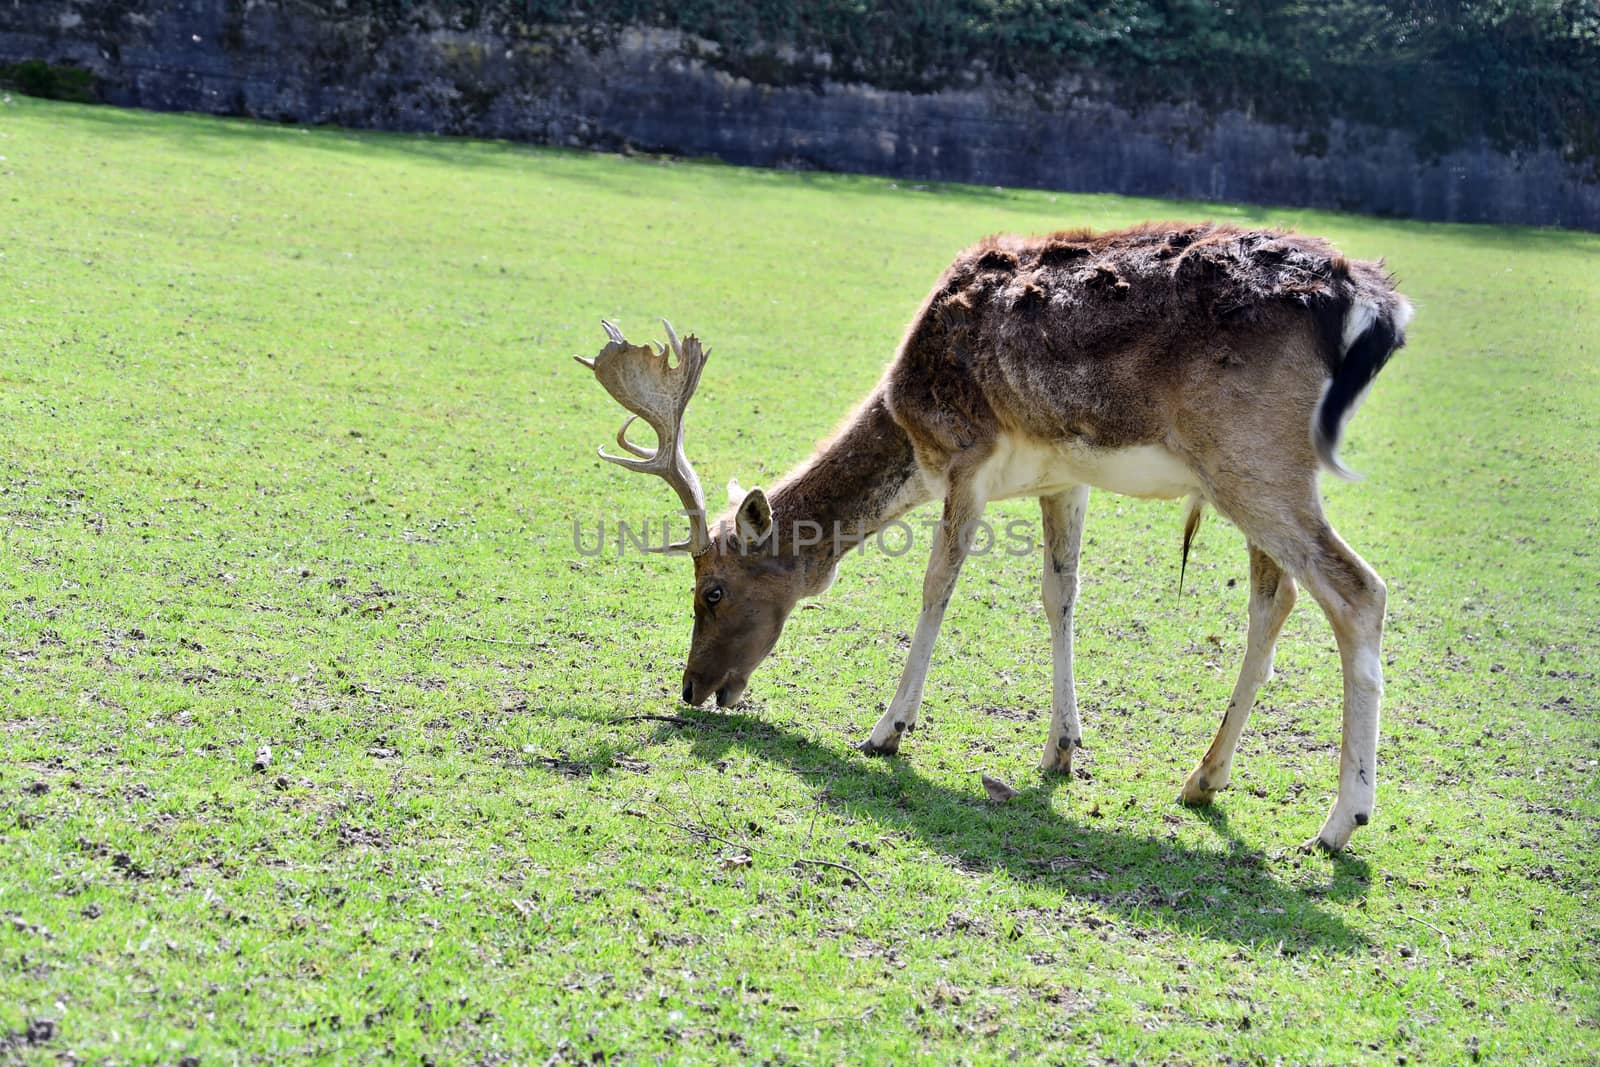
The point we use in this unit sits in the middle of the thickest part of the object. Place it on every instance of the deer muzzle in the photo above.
(728, 689)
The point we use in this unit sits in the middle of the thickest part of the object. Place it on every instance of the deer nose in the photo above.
(695, 689)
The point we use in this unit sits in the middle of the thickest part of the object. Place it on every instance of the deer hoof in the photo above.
(1057, 758)
(1199, 791)
(1317, 844)
(890, 749)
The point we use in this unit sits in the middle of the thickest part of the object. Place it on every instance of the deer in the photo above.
(1204, 362)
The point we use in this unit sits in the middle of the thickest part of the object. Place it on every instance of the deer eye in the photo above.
(714, 595)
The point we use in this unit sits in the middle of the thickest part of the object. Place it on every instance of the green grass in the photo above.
(292, 447)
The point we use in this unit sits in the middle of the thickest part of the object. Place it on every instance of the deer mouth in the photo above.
(729, 693)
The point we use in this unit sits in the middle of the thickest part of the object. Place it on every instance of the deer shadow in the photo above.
(1230, 894)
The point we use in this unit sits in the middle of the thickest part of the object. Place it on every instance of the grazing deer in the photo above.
(1167, 360)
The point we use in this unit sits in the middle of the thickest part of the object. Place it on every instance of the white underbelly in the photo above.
(1021, 467)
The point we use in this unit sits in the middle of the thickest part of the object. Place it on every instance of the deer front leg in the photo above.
(1271, 599)
(1063, 539)
(963, 506)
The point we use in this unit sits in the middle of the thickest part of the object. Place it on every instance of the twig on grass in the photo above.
(501, 641)
(1444, 938)
(702, 832)
(676, 720)
(822, 796)
(859, 1017)
(829, 863)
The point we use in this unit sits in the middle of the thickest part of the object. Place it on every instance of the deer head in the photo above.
(742, 592)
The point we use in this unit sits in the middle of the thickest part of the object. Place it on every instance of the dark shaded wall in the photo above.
(657, 90)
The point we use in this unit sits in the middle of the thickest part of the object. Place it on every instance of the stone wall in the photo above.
(654, 90)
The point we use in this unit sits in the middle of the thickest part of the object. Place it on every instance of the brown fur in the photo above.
(1098, 337)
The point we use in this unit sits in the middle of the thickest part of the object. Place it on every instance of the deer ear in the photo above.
(754, 517)
(735, 492)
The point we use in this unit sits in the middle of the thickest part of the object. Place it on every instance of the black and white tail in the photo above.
(1371, 333)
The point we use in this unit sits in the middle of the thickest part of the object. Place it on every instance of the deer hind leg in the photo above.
(1353, 597)
(1279, 512)
(963, 506)
(1063, 539)
(1271, 599)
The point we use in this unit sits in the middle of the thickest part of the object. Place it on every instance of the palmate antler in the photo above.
(645, 382)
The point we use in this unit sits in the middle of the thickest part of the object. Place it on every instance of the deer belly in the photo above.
(1032, 468)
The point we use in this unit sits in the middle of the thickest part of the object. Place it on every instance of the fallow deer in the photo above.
(1167, 360)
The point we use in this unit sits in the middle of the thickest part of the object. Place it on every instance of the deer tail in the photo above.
(1373, 328)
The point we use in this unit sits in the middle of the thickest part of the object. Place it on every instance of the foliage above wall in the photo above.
(1521, 73)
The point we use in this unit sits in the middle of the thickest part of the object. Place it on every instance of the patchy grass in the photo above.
(292, 450)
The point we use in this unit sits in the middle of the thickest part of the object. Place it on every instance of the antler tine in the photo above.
(657, 389)
(688, 351)
(649, 462)
(622, 439)
(686, 545)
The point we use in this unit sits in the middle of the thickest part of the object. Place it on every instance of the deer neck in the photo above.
(857, 483)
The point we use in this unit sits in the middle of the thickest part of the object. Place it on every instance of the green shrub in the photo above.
(34, 77)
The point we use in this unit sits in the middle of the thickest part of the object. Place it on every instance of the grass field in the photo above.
(292, 448)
